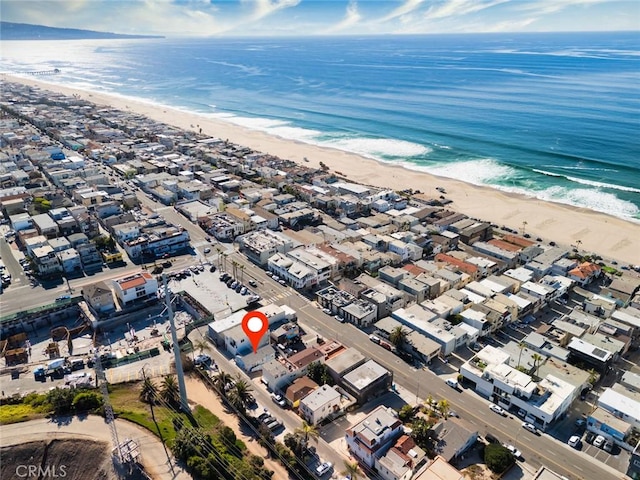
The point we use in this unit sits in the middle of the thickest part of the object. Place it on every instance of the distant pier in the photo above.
(53, 71)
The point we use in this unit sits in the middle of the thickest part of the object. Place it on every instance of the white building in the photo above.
(134, 287)
(622, 406)
(369, 439)
(301, 268)
(512, 389)
(320, 404)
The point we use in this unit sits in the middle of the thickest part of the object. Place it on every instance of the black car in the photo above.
(212, 268)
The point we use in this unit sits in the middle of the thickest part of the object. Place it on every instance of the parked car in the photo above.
(599, 441)
(282, 282)
(516, 453)
(212, 268)
(574, 441)
(530, 427)
(63, 297)
(452, 382)
(244, 291)
(498, 410)
(581, 422)
(274, 425)
(608, 446)
(323, 468)
(374, 338)
(279, 400)
(253, 283)
(202, 360)
(207, 250)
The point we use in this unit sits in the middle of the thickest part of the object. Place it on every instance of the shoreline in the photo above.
(606, 235)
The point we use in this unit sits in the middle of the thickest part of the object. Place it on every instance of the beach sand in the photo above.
(608, 236)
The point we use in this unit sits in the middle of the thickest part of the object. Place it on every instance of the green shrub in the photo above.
(87, 401)
(497, 458)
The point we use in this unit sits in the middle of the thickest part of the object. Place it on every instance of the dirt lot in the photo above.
(61, 458)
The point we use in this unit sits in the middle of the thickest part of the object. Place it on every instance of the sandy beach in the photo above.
(608, 236)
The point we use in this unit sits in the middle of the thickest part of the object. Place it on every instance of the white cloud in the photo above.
(545, 7)
(264, 8)
(456, 8)
(407, 7)
(352, 16)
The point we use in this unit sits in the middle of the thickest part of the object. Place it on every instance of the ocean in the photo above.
(552, 116)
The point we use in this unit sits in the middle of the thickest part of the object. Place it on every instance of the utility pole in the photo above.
(176, 347)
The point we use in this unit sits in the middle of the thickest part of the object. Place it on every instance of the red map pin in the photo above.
(255, 324)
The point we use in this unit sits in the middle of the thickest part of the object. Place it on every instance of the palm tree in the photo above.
(241, 272)
(240, 396)
(234, 265)
(429, 401)
(398, 336)
(351, 470)
(221, 381)
(202, 345)
(149, 391)
(521, 346)
(170, 392)
(536, 362)
(443, 406)
(307, 431)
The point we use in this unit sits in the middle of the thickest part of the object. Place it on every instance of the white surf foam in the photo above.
(591, 183)
(478, 172)
(379, 147)
(586, 198)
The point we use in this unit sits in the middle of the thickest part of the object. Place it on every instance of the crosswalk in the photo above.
(277, 297)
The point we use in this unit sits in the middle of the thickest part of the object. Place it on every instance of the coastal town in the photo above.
(406, 339)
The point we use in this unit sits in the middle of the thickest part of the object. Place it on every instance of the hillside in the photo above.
(25, 31)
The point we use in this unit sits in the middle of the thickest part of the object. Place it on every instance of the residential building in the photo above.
(320, 404)
(299, 389)
(136, 287)
(440, 469)
(367, 381)
(46, 261)
(455, 436)
(370, 438)
(401, 461)
(259, 246)
(99, 298)
(624, 407)
(544, 402)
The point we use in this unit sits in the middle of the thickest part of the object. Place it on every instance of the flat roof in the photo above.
(365, 374)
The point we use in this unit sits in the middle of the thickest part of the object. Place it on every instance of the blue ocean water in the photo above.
(553, 116)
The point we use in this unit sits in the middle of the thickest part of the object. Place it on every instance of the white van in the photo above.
(452, 382)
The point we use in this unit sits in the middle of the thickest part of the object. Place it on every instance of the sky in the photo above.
(325, 17)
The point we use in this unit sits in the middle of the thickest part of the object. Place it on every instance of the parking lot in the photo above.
(207, 288)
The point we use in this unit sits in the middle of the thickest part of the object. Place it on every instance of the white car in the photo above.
(516, 453)
(278, 399)
(498, 410)
(323, 468)
(530, 427)
(599, 441)
(574, 441)
(452, 382)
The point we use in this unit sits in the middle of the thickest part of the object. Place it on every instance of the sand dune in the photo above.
(606, 235)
